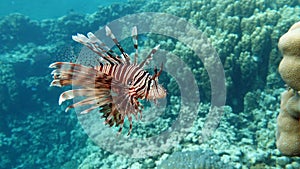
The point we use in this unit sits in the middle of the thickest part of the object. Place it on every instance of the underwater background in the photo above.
(35, 132)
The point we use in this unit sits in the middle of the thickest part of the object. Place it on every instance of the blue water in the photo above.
(44, 9)
(209, 118)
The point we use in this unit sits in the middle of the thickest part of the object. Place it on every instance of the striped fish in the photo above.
(114, 86)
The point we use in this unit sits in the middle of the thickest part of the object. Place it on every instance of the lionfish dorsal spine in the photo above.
(135, 43)
(115, 40)
(93, 43)
(149, 57)
(103, 49)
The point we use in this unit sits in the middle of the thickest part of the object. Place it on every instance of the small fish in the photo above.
(114, 86)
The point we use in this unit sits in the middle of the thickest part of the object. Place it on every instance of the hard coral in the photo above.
(199, 159)
(288, 121)
(289, 45)
(288, 126)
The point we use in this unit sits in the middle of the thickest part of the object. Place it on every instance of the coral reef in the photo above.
(289, 45)
(288, 124)
(17, 29)
(199, 159)
(235, 34)
(36, 133)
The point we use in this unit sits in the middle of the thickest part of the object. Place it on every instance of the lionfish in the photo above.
(114, 86)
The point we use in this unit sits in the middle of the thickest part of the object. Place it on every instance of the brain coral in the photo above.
(199, 159)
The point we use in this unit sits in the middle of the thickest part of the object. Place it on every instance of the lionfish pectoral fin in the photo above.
(155, 101)
(54, 65)
(89, 109)
(130, 124)
(55, 82)
(68, 108)
(121, 128)
(67, 95)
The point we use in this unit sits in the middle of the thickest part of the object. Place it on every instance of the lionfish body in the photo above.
(114, 86)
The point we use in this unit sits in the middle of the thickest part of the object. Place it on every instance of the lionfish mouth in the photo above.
(114, 86)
